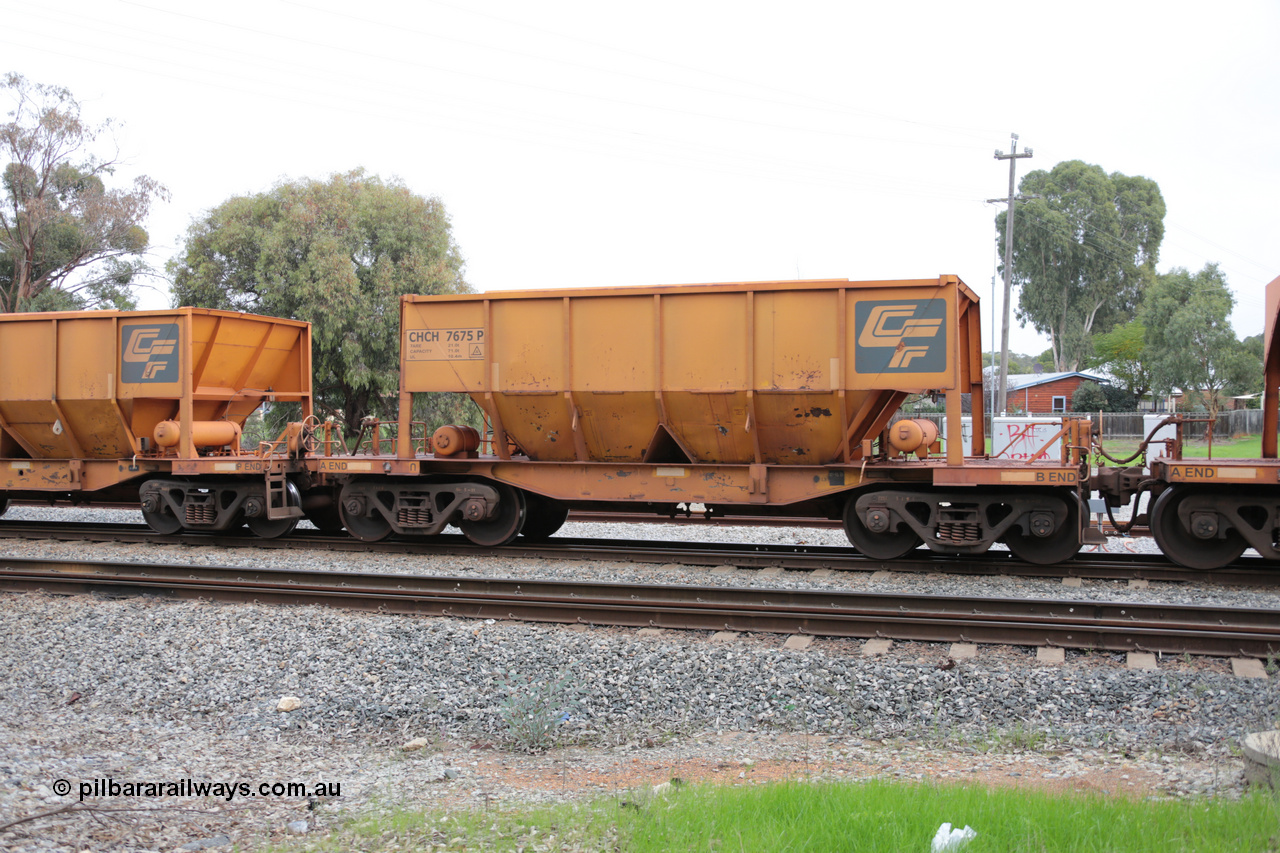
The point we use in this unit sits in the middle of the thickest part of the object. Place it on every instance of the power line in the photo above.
(506, 81)
(680, 152)
(790, 99)
(975, 132)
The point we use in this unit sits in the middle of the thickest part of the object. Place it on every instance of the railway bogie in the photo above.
(1040, 527)
(488, 513)
(1208, 527)
(213, 505)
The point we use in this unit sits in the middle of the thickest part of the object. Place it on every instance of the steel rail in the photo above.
(702, 520)
(1244, 572)
(603, 517)
(1070, 624)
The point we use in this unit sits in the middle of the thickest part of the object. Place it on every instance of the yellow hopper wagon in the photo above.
(150, 407)
(765, 398)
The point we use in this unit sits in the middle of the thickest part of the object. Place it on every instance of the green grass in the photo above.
(1247, 447)
(587, 827)
(798, 817)
(881, 816)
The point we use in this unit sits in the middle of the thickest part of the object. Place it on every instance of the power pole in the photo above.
(1013, 157)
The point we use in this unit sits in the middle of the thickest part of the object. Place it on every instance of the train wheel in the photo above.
(162, 522)
(4, 504)
(367, 528)
(1057, 547)
(543, 517)
(274, 528)
(1184, 547)
(271, 528)
(504, 525)
(877, 546)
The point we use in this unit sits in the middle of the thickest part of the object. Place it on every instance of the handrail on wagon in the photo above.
(372, 437)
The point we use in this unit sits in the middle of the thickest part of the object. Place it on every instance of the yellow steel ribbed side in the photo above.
(91, 385)
(763, 373)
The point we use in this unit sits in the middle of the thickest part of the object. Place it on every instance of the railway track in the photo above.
(1069, 624)
(692, 519)
(1097, 566)
(702, 520)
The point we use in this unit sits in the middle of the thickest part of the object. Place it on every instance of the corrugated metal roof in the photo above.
(1029, 380)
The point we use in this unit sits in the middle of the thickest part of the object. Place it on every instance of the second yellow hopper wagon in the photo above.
(127, 406)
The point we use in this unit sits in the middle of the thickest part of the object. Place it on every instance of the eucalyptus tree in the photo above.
(1085, 247)
(1122, 353)
(337, 253)
(1190, 344)
(67, 239)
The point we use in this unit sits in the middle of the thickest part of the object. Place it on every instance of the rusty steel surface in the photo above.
(1069, 624)
(1243, 572)
(673, 483)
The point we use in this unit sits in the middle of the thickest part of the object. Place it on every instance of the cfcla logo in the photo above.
(889, 324)
(906, 355)
(886, 328)
(149, 353)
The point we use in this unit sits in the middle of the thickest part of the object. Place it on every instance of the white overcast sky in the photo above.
(599, 143)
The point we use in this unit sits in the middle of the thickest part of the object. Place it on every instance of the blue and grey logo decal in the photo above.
(149, 352)
(901, 336)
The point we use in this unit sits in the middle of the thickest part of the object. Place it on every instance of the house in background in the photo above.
(1046, 393)
(1161, 404)
(1195, 400)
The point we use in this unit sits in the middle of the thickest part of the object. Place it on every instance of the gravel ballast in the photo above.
(139, 689)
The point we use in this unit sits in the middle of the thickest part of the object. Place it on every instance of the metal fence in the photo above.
(1227, 424)
(1130, 424)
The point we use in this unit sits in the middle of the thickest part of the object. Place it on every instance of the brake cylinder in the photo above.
(915, 435)
(203, 433)
(455, 439)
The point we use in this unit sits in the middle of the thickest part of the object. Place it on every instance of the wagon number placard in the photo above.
(445, 344)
